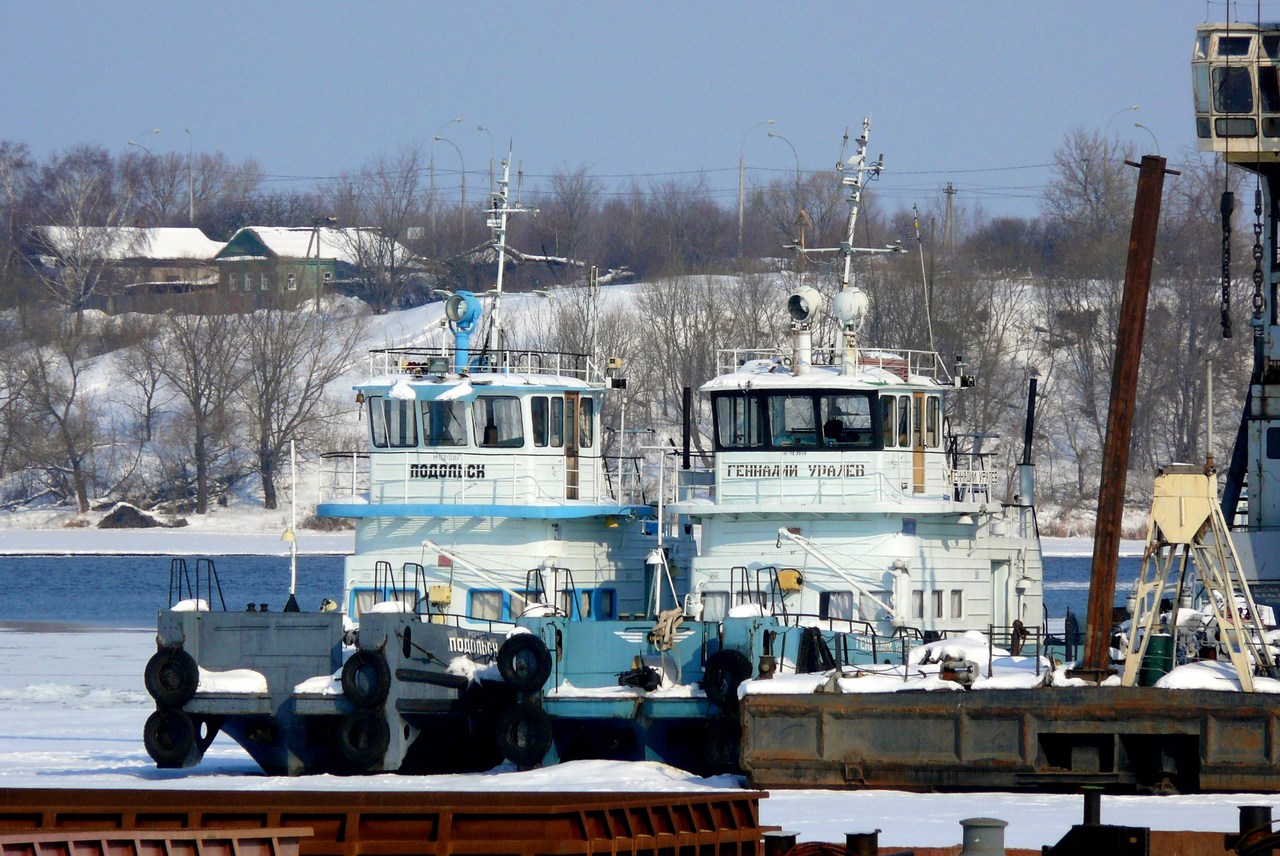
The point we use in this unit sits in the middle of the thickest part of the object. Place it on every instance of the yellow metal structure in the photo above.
(1187, 532)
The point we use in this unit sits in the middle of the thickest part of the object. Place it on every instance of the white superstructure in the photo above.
(485, 491)
(838, 495)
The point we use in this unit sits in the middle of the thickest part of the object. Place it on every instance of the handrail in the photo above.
(902, 362)
(420, 361)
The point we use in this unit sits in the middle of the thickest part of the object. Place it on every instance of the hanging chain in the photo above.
(1257, 261)
(1227, 206)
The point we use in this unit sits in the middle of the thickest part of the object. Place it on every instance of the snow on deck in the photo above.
(72, 707)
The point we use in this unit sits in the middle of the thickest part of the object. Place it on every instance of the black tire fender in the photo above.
(170, 738)
(524, 662)
(171, 677)
(524, 734)
(363, 738)
(366, 678)
(725, 670)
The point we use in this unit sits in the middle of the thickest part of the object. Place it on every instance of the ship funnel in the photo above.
(463, 311)
(805, 307)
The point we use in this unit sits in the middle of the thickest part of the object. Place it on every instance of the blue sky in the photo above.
(976, 93)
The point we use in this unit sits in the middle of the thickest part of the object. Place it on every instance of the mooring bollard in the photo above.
(777, 843)
(1255, 827)
(862, 843)
(1092, 806)
(983, 836)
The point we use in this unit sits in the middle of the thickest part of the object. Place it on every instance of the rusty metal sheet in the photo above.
(360, 823)
(177, 842)
(1126, 737)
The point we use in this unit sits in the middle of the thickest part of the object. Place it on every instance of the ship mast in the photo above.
(855, 182)
(850, 304)
(499, 211)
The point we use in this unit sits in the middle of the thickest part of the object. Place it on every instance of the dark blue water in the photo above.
(1066, 583)
(128, 591)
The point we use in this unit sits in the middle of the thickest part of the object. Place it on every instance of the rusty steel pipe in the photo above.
(1124, 386)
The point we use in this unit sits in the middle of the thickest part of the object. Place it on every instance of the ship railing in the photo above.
(853, 641)
(903, 363)
(1017, 639)
(970, 477)
(696, 483)
(624, 479)
(206, 583)
(344, 474)
(422, 361)
(872, 487)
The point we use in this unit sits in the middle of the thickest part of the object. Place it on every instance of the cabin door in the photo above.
(571, 417)
(917, 443)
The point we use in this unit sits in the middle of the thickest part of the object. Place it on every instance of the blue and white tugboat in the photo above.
(486, 497)
(840, 524)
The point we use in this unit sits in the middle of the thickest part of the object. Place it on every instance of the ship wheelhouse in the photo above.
(487, 492)
(836, 419)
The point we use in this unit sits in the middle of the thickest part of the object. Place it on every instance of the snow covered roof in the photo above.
(774, 374)
(298, 242)
(120, 243)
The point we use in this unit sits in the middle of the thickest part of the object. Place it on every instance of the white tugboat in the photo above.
(838, 494)
(487, 497)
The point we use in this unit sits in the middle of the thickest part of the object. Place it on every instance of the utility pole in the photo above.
(191, 187)
(948, 224)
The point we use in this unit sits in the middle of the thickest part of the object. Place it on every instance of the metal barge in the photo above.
(365, 823)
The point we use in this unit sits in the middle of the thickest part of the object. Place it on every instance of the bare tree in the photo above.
(52, 363)
(81, 204)
(143, 362)
(382, 199)
(291, 358)
(206, 368)
(566, 214)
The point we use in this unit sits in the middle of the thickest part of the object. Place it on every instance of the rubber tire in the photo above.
(170, 738)
(171, 676)
(524, 662)
(363, 738)
(725, 670)
(524, 734)
(366, 678)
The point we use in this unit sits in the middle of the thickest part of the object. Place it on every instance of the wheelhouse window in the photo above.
(846, 421)
(393, 423)
(586, 424)
(497, 421)
(444, 423)
(791, 421)
(539, 413)
(738, 423)
(547, 416)
(1232, 89)
(895, 421)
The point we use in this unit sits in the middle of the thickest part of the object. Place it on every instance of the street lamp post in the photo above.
(463, 164)
(1151, 132)
(1106, 129)
(742, 173)
(455, 120)
(140, 145)
(191, 186)
(490, 133)
(797, 159)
